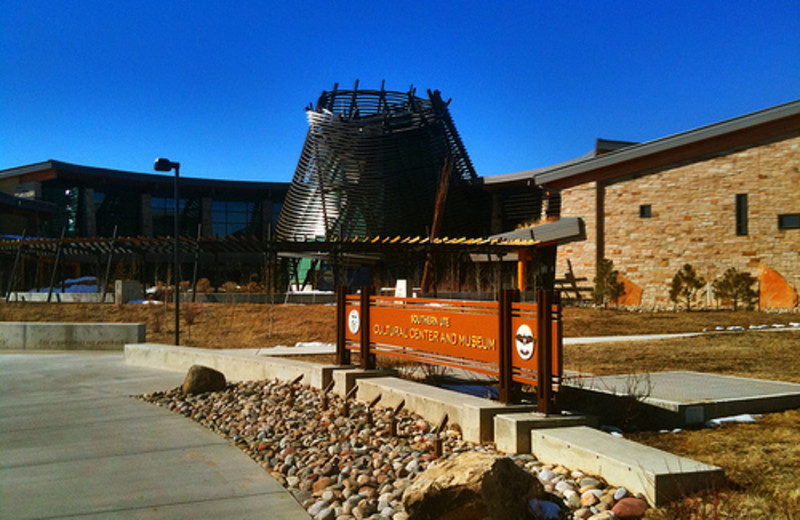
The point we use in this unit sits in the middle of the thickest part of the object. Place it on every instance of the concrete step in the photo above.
(474, 415)
(658, 475)
(512, 431)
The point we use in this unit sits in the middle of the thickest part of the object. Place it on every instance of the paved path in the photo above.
(73, 444)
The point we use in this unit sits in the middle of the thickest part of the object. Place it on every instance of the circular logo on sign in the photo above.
(525, 341)
(353, 321)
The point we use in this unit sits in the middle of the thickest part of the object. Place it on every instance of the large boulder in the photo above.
(472, 486)
(201, 379)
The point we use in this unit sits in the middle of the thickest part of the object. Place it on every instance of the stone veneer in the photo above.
(693, 221)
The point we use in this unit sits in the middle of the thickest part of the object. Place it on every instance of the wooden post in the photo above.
(558, 345)
(367, 359)
(14, 268)
(342, 354)
(196, 261)
(506, 343)
(55, 264)
(523, 257)
(104, 289)
(544, 377)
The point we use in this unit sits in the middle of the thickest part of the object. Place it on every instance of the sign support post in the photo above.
(342, 354)
(544, 378)
(367, 359)
(506, 298)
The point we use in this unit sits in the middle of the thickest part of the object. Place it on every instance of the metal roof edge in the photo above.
(123, 174)
(566, 229)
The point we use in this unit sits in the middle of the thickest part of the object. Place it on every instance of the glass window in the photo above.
(117, 208)
(163, 213)
(645, 211)
(235, 218)
(789, 221)
(741, 214)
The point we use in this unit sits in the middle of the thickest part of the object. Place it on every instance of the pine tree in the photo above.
(737, 286)
(607, 286)
(685, 285)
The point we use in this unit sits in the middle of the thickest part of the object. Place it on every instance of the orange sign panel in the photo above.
(460, 334)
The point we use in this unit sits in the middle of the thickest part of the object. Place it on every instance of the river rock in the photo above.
(201, 379)
(630, 508)
(471, 486)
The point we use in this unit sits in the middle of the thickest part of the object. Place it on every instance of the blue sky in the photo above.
(222, 86)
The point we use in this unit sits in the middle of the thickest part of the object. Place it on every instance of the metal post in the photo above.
(176, 260)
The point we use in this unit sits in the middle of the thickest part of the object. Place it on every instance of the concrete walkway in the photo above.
(74, 444)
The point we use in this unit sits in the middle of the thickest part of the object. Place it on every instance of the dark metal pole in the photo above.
(14, 269)
(176, 261)
(55, 265)
(196, 260)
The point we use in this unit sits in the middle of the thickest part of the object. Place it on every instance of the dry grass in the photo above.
(761, 460)
(759, 354)
(596, 322)
(221, 326)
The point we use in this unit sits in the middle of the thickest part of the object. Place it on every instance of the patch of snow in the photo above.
(742, 418)
(313, 344)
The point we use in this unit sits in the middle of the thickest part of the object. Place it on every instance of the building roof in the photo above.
(705, 141)
(24, 204)
(602, 146)
(51, 169)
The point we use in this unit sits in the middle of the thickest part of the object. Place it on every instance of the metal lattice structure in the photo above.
(371, 164)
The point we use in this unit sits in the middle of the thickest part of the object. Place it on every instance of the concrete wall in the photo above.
(693, 221)
(237, 365)
(69, 336)
(21, 296)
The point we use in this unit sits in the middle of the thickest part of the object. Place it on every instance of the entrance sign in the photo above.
(515, 342)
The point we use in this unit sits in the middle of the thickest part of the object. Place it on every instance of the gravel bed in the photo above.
(352, 461)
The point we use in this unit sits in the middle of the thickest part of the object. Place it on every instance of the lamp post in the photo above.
(165, 165)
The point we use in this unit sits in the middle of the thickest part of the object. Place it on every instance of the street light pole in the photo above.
(165, 165)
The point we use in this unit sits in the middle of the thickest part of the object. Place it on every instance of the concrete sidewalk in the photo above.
(74, 444)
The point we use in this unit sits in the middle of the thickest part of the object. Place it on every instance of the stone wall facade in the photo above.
(692, 219)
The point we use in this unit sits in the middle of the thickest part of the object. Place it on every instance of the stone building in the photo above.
(720, 196)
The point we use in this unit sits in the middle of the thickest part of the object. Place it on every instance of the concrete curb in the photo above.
(237, 366)
(658, 475)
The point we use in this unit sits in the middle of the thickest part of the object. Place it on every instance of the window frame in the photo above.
(741, 215)
(782, 225)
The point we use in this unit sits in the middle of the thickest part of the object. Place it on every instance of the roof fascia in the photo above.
(704, 141)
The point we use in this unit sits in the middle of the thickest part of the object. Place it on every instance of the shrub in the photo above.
(737, 286)
(685, 284)
(607, 286)
(204, 286)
